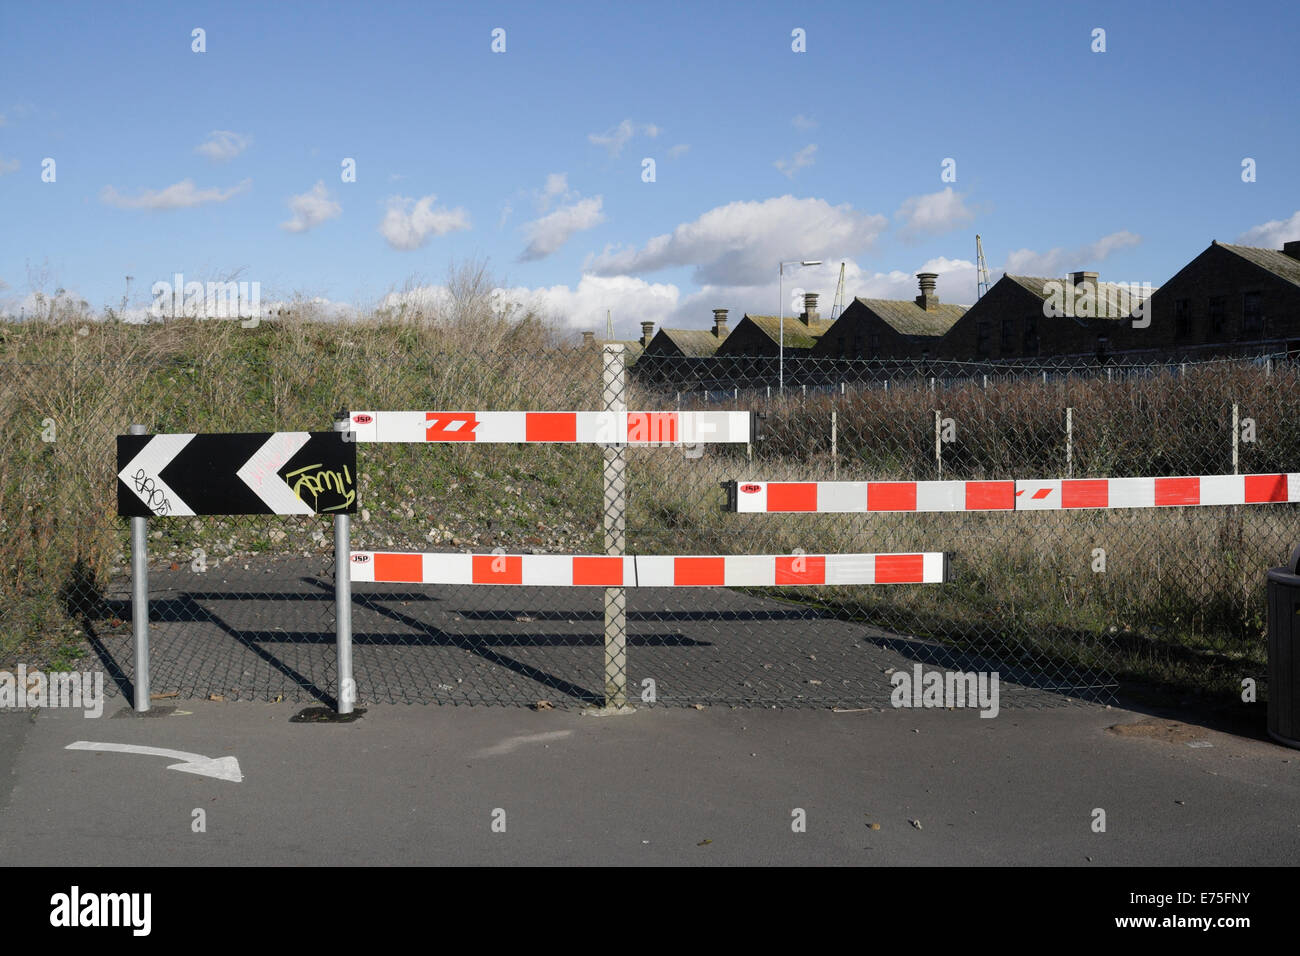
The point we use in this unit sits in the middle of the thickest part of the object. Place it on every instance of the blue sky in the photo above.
(1127, 162)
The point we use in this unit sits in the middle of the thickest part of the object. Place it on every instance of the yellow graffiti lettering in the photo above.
(318, 481)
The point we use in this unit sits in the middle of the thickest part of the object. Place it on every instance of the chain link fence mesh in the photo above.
(1062, 605)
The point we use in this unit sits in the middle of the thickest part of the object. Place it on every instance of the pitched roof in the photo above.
(1119, 292)
(697, 343)
(1271, 260)
(907, 318)
(797, 334)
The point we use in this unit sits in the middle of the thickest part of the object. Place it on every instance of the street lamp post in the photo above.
(780, 362)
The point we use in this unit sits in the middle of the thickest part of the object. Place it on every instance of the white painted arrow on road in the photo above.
(223, 768)
(259, 473)
(141, 475)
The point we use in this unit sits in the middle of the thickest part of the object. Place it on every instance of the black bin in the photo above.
(1283, 657)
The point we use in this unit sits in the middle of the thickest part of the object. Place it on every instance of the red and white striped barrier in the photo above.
(1055, 494)
(595, 428)
(554, 570)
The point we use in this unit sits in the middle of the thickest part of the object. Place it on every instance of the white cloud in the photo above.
(408, 223)
(805, 157)
(9, 165)
(1058, 261)
(180, 195)
(804, 122)
(631, 301)
(311, 208)
(549, 233)
(557, 187)
(222, 145)
(1273, 233)
(616, 137)
(955, 285)
(679, 150)
(742, 242)
(933, 214)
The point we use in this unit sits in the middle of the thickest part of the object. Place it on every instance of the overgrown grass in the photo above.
(1182, 595)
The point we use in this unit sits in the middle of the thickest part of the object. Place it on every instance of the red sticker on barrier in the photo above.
(792, 496)
(450, 426)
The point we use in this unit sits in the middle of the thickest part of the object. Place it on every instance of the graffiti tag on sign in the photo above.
(154, 498)
(324, 486)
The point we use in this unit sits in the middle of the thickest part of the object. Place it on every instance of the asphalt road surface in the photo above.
(405, 785)
(266, 632)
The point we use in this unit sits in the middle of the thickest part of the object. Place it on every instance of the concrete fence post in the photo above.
(938, 440)
(835, 453)
(1236, 437)
(614, 399)
(1069, 443)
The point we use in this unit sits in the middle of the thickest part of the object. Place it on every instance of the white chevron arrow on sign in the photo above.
(259, 473)
(141, 475)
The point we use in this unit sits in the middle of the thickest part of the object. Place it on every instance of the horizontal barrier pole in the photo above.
(654, 571)
(1055, 494)
(592, 428)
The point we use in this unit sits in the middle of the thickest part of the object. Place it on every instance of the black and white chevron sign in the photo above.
(275, 473)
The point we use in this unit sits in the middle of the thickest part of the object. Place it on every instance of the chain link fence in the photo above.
(1062, 605)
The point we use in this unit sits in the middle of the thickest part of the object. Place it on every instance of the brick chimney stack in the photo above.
(588, 338)
(647, 332)
(1084, 278)
(928, 299)
(720, 323)
(810, 313)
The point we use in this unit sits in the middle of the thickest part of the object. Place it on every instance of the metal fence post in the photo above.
(1069, 443)
(614, 399)
(347, 692)
(140, 601)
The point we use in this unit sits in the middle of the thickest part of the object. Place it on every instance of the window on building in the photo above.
(1218, 314)
(1031, 335)
(1182, 319)
(873, 345)
(1008, 335)
(1252, 314)
(982, 339)
(1103, 346)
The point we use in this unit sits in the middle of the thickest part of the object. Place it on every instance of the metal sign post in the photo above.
(347, 692)
(140, 602)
